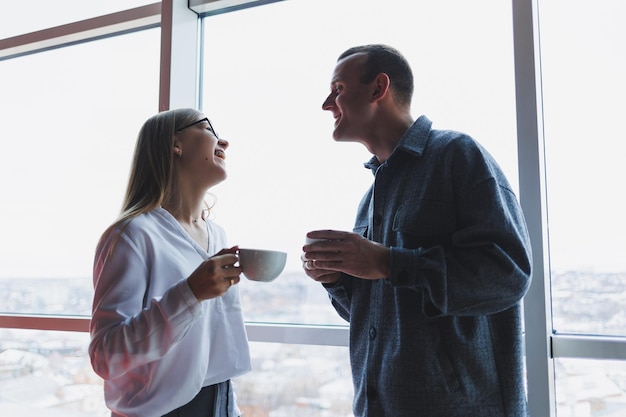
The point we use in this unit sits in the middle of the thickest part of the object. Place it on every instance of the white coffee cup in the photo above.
(310, 240)
(261, 264)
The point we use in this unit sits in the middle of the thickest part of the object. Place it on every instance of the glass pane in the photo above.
(265, 77)
(70, 119)
(583, 67)
(48, 374)
(296, 380)
(590, 388)
(29, 16)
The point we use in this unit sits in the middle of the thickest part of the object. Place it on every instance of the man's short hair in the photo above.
(388, 60)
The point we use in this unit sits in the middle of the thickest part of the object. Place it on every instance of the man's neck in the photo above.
(388, 136)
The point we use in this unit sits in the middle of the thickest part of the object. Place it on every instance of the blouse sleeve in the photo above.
(127, 329)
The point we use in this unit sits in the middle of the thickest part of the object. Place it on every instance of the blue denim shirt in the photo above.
(441, 336)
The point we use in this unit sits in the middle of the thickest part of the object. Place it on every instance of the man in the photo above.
(431, 279)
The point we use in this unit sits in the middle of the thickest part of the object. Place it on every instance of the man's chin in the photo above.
(339, 136)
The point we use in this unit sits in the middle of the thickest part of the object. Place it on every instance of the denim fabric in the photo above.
(441, 336)
(212, 401)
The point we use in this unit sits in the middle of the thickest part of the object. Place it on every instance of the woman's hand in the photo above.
(215, 275)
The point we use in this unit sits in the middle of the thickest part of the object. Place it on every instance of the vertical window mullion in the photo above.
(180, 73)
(537, 304)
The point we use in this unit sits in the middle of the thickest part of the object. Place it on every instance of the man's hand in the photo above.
(345, 252)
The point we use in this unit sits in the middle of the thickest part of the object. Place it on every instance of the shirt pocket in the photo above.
(427, 223)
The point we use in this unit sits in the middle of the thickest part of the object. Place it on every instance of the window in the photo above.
(264, 94)
(34, 15)
(48, 374)
(71, 118)
(284, 384)
(73, 122)
(583, 62)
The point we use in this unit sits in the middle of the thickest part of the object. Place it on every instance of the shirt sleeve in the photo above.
(340, 294)
(484, 266)
(126, 329)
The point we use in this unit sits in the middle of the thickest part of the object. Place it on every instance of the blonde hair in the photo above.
(150, 180)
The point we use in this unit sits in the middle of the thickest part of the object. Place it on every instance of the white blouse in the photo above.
(152, 342)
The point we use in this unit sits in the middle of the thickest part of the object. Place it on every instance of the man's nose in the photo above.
(328, 103)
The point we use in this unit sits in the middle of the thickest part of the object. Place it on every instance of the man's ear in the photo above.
(381, 86)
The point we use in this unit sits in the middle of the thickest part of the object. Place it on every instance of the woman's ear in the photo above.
(381, 86)
(178, 152)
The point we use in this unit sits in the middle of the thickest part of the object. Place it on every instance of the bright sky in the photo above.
(71, 117)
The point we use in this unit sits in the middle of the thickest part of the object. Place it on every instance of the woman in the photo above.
(167, 332)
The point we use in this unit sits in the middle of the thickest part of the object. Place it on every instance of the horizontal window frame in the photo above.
(588, 347)
(561, 345)
(126, 21)
(215, 7)
(296, 334)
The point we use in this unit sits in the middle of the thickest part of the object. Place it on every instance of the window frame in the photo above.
(179, 87)
(131, 20)
(531, 162)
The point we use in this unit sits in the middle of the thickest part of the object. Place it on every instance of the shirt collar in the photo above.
(413, 142)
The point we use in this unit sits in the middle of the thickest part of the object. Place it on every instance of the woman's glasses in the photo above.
(206, 119)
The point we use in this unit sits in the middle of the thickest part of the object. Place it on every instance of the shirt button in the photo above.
(372, 333)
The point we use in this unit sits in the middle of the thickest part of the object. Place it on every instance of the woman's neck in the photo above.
(186, 214)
